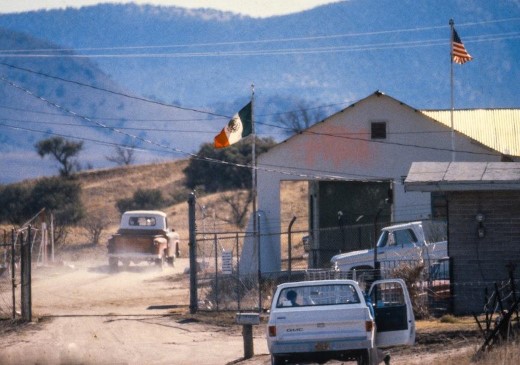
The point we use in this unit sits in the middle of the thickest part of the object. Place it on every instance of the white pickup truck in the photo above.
(322, 320)
(397, 244)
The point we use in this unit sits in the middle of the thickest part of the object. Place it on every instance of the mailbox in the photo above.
(248, 318)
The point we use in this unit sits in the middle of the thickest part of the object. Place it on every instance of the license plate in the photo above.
(322, 346)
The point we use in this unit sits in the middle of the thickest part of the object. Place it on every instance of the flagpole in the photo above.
(253, 161)
(256, 237)
(452, 23)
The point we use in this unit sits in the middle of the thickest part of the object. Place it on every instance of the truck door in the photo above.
(395, 322)
(402, 245)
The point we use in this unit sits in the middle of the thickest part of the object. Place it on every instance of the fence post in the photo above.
(257, 241)
(238, 271)
(289, 243)
(216, 269)
(26, 277)
(13, 274)
(193, 253)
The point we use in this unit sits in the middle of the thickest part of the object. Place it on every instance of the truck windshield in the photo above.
(381, 242)
(317, 295)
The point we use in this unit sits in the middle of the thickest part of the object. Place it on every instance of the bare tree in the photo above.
(95, 223)
(298, 120)
(238, 204)
(123, 156)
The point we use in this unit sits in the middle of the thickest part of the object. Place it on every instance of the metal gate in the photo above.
(15, 274)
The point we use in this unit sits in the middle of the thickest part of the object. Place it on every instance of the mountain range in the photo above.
(166, 79)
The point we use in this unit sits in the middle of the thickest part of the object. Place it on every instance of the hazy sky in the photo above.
(255, 8)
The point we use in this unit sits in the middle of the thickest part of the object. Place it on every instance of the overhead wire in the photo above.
(275, 52)
(171, 149)
(270, 40)
(111, 91)
(155, 129)
(271, 168)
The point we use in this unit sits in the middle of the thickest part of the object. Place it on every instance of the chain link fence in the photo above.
(224, 284)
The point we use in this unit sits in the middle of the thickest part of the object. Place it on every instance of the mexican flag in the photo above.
(240, 126)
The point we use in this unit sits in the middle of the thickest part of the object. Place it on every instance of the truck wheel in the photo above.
(112, 264)
(363, 358)
(277, 360)
(171, 261)
(160, 262)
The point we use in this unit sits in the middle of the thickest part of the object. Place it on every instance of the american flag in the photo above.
(458, 52)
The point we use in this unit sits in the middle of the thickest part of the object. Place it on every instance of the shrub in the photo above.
(233, 173)
(412, 275)
(142, 199)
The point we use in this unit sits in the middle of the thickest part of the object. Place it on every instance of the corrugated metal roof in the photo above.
(498, 129)
(457, 176)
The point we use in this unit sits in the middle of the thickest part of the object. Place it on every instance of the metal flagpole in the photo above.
(256, 237)
(451, 93)
(253, 162)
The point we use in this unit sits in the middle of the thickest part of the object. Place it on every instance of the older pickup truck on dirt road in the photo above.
(143, 235)
(332, 319)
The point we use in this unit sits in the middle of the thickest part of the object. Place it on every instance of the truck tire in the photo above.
(160, 262)
(364, 358)
(277, 360)
(112, 264)
(171, 261)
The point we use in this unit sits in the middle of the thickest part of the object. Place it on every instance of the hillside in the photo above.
(102, 188)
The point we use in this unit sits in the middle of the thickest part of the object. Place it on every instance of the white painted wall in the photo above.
(341, 146)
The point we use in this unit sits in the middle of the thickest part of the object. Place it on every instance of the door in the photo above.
(395, 322)
(401, 245)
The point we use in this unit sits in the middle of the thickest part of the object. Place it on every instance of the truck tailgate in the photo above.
(133, 244)
(323, 323)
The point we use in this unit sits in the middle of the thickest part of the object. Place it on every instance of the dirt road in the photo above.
(137, 316)
(86, 315)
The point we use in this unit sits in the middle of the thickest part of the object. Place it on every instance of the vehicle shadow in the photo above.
(138, 269)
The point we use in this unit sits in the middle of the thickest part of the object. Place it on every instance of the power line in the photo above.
(277, 52)
(196, 131)
(219, 116)
(100, 127)
(111, 91)
(108, 118)
(261, 41)
(272, 168)
(97, 141)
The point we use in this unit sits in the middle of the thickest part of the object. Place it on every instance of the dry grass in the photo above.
(504, 355)
(102, 188)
